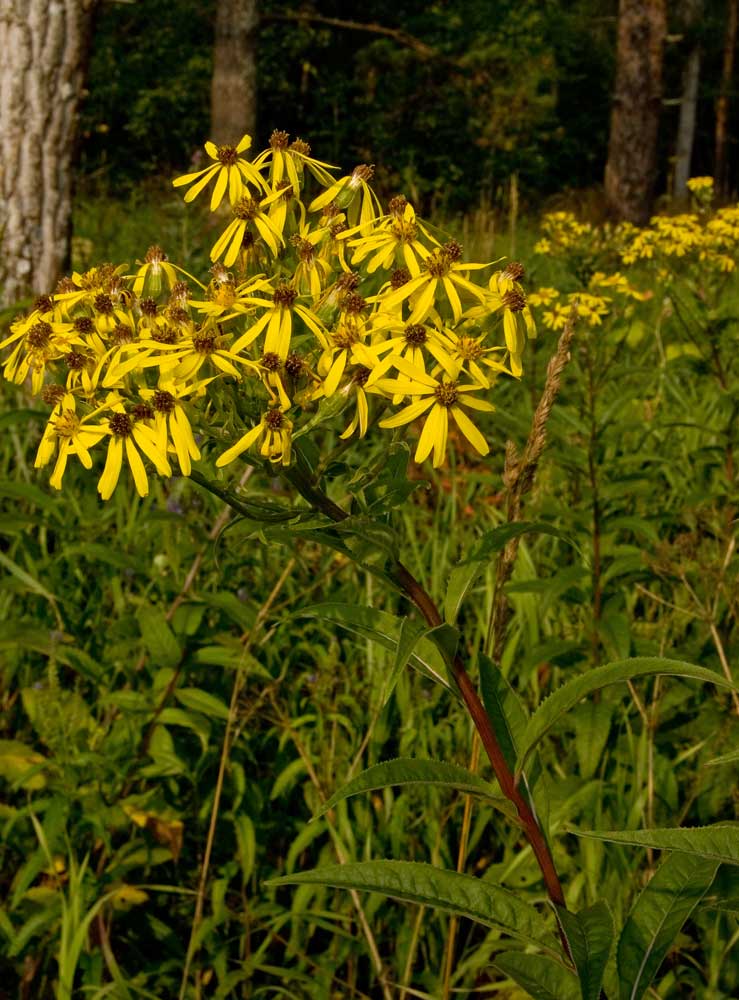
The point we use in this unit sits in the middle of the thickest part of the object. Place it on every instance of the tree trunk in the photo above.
(45, 48)
(637, 99)
(689, 103)
(721, 165)
(233, 97)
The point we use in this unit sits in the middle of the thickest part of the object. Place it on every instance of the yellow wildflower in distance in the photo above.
(129, 432)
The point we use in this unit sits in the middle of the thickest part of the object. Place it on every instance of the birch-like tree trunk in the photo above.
(45, 47)
(721, 165)
(637, 101)
(233, 99)
(691, 11)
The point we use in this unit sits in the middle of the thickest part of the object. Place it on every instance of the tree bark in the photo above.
(45, 52)
(632, 147)
(689, 104)
(721, 164)
(233, 100)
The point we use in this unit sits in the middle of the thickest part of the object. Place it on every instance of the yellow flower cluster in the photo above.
(592, 305)
(313, 306)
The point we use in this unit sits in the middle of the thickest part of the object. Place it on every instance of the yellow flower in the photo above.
(362, 211)
(277, 320)
(543, 296)
(442, 271)
(149, 276)
(128, 432)
(170, 419)
(228, 170)
(393, 240)
(276, 432)
(440, 398)
(71, 434)
(287, 160)
(247, 211)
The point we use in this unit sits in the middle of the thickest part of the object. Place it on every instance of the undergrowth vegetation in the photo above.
(188, 684)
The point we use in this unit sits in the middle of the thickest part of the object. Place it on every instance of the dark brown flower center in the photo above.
(360, 375)
(39, 335)
(514, 300)
(148, 307)
(163, 401)
(52, 394)
(103, 303)
(271, 362)
(83, 324)
(227, 155)
(120, 425)
(279, 139)
(294, 366)
(274, 419)
(300, 147)
(515, 271)
(415, 334)
(353, 303)
(400, 276)
(142, 411)
(446, 393)
(246, 209)
(75, 361)
(453, 250)
(284, 296)
(155, 255)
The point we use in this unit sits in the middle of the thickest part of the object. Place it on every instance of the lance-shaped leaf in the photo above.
(719, 842)
(413, 771)
(543, 978)
(503, 707)
(384, 629)
(410, 632)
(656, 917)
(417, 882)
(564, 698)
(590, 936)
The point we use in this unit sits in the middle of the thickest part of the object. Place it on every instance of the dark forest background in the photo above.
(466, 94)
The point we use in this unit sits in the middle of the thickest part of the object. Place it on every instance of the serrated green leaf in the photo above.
(384, 629)
(414, 771)
(202, 701)
(656, 917)
(590, 935)
(565, 697)
(718, 842)
(417, 882)
(503, 707)
(158, 637)
(543, 978)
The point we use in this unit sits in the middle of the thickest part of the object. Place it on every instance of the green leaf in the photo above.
(592, 726)
(202, 701)
(417, 882)
(460, 581)
(719, 842)
(493, 541)
(590, 936)
(726, 758)
(25, 578)
(413, 771)
(410, 633)
(158, 637)
(563, 699)
(656, 917)
(503, 707)
(384, 629)
(543, 978)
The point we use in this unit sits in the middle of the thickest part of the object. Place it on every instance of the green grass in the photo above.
(116, 682)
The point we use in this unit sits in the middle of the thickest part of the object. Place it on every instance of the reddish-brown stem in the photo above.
(425, 604)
